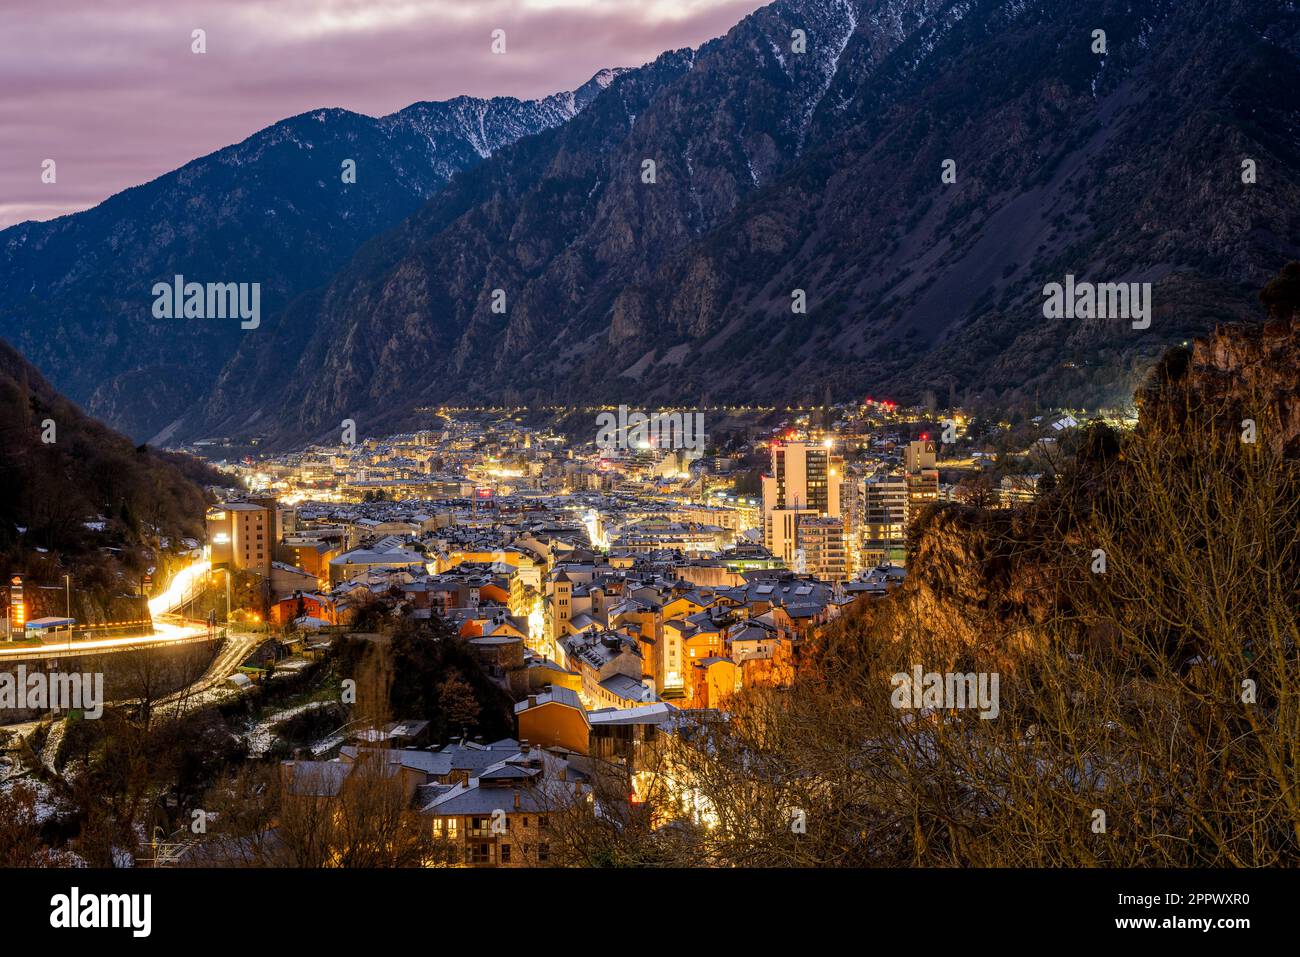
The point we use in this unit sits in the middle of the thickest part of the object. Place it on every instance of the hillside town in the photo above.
(508, 531)
(620, 591)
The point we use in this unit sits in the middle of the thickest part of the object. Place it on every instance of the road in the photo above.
(167, 627)
(235, 649)
(210, 687)
(165, 632)
(184, 586)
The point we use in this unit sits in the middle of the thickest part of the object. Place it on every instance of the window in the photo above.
(543, 852)
(479, 853)
(543, 821)
(505, 853)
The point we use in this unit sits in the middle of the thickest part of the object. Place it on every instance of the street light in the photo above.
(224, 568)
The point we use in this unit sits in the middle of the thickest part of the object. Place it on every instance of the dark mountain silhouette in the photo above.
(75, 292)
(78, 498)
(778, 171)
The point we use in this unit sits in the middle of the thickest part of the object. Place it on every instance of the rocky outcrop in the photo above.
(986, 578)
(1253, 369)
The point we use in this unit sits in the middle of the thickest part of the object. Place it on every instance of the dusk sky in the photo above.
(111, 91)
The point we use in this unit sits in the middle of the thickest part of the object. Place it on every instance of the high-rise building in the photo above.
(851, 516)
(804, 476)
(805, 480)
(781, 532)
(919, 455)
(922, 476)
(884, 518)
(275, 514)
(821, 549)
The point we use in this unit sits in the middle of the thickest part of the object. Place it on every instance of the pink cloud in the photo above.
(111, 90)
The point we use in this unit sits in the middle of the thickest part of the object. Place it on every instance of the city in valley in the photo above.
(689, 436)
(608, 590)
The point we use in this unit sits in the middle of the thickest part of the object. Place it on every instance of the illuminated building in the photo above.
(554, 719)
(884, 518)
(821, 545)
(921, 475)
(805, 480)
(242, 536)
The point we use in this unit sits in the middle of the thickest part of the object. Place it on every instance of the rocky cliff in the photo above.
(1185, 501)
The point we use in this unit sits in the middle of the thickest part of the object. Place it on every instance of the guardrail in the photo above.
(66, 650)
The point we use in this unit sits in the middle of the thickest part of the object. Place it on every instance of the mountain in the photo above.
(75, 292)
(821, 171)
(77, 498)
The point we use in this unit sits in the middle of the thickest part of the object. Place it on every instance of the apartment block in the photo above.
(822, 550)
(806, 480)
(884, 518)
(241, 535)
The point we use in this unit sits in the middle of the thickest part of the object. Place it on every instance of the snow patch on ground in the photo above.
(261, 737)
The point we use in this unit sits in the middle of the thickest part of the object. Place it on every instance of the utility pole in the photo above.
(67, 590)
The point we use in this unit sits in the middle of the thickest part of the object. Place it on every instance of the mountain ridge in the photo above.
(776, 173)
(74, 291)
